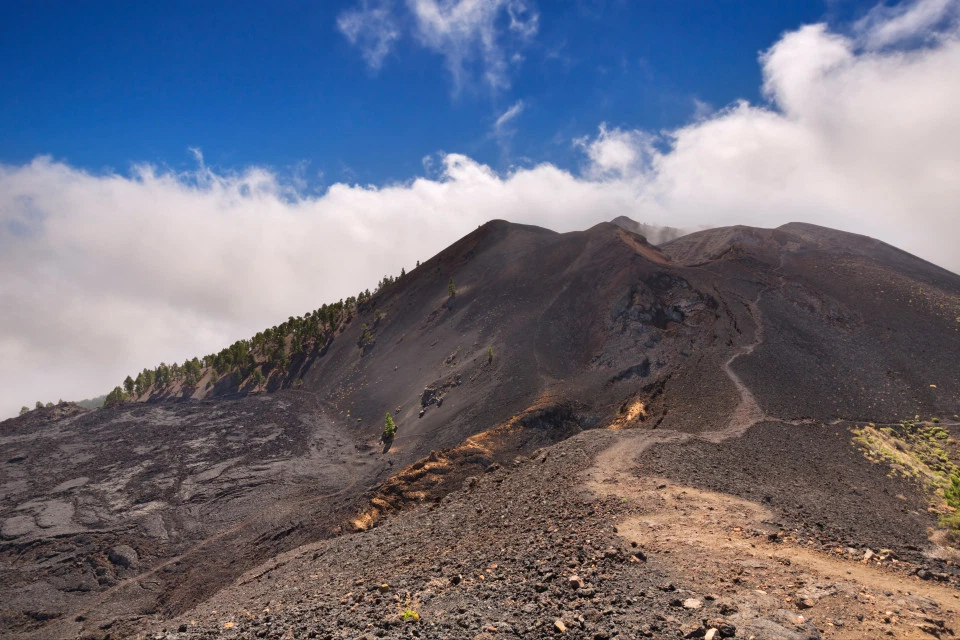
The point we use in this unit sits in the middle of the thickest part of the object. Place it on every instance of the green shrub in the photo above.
(952, 493)
(389, 427)
(952, 524)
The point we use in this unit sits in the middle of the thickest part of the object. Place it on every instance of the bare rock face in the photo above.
(18, 526)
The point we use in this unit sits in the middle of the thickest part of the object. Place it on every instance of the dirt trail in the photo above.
(733, 549)
(771, 584)
(748, 411)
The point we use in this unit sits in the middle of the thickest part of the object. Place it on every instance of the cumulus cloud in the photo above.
(615, 153)
(481, 37)
(104, 274)
(372, 28)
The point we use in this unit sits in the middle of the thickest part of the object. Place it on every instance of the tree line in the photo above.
(256, 358)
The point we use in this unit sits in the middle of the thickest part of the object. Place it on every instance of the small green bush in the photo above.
(389, 427)
(952, 493)
(952, 524)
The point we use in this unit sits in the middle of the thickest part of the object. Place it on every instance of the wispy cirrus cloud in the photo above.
(478, 39)
(504, 127)
(889, 25)
(508, 116)
(372, 28)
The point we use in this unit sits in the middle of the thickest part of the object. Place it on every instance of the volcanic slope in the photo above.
(739, 347)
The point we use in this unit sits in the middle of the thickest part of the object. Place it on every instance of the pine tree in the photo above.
(451, 288)
(389, 427)
(24, 410)
(114, 397)
(128, 385)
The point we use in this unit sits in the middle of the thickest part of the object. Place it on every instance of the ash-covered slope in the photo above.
(538, 318)
(853, 328)
(149, 508)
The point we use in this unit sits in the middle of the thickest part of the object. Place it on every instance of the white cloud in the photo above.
(701, 109)
(475, 37)
(102, 275)
(504, 127)
(371, 27)
(890, 25)
(618, 154)
(509, 115)
(466, 30)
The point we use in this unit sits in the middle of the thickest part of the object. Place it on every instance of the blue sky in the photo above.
(175, 176)
(107, 84)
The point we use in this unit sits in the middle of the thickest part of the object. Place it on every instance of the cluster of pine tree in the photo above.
(258, 357)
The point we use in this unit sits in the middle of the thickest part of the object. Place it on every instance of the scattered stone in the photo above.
(723, 627)
(692, 603)
(559, 626)
(575, 582)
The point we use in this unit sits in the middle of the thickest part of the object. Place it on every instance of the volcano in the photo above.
(595, 436)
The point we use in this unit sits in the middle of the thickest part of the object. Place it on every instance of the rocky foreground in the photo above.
(574, 542)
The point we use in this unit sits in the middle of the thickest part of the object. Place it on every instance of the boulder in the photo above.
(124, 556)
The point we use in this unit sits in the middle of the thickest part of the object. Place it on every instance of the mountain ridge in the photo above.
(545, 338)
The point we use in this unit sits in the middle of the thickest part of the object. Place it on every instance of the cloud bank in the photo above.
(102, 275)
